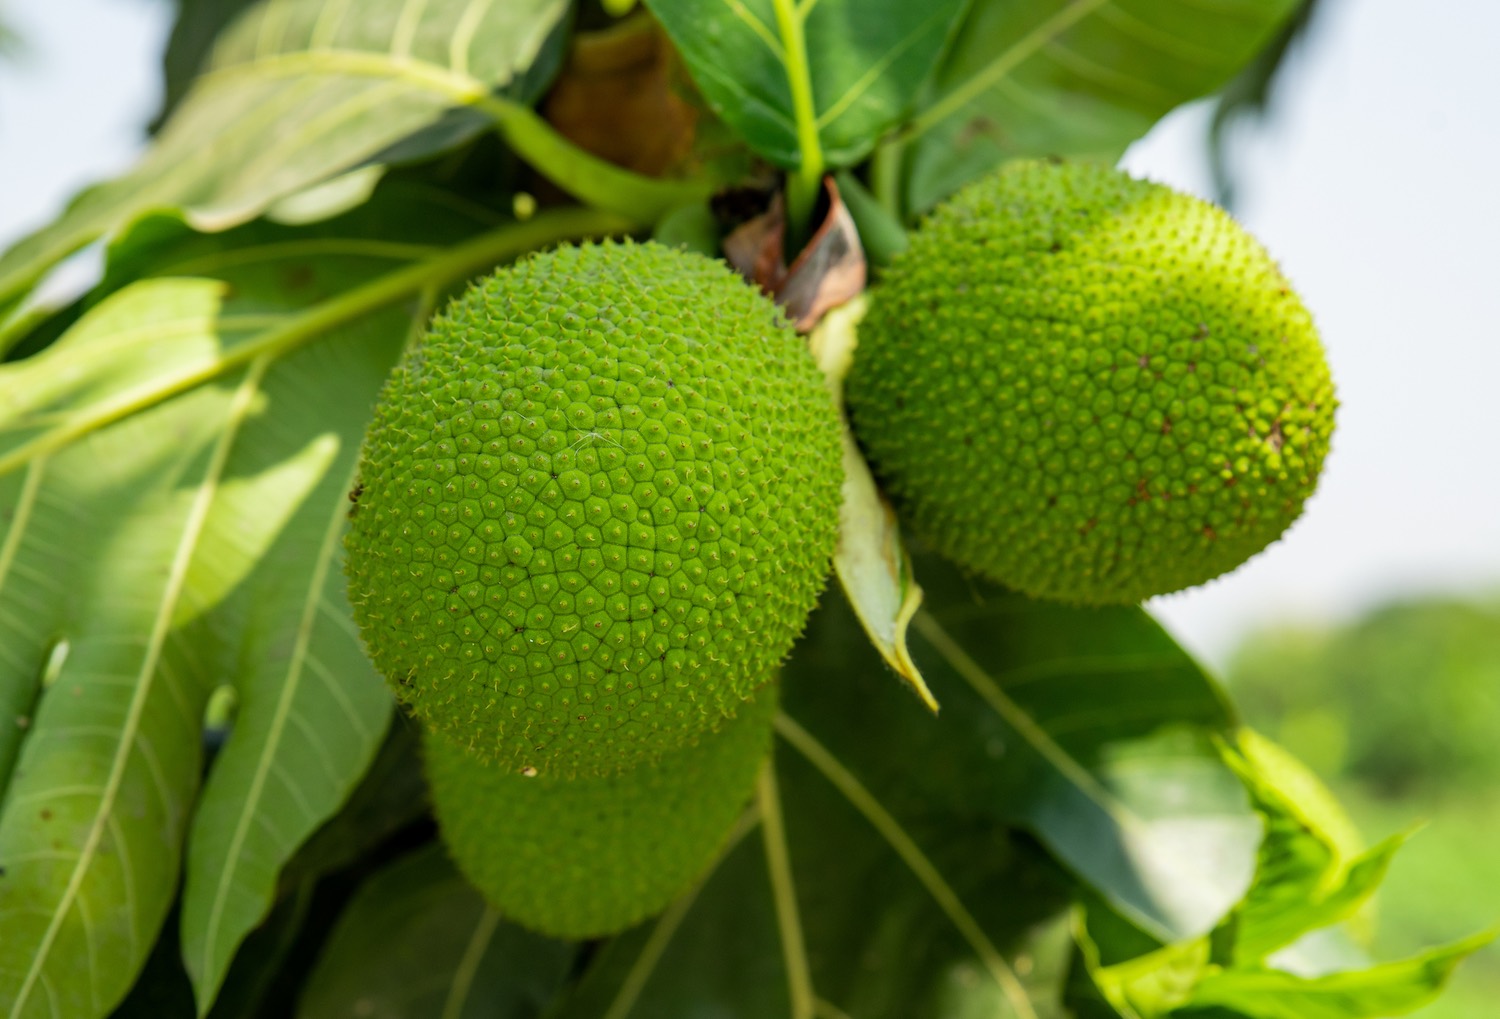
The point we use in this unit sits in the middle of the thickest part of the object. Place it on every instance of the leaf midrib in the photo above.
(906, 849)
(176, 579)
(294, 672)
(21, 516)
(1042, 742)
(461, 89)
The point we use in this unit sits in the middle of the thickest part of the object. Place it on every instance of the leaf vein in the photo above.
(1128, 24)
(877, 70)
(129, 731)
(285, 708)
(911, 854)
(463, 35)
(336, 690)
(1091, 70)
(1005, 62)
(759, 28)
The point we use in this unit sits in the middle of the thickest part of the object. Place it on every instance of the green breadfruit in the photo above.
(599, 500)
(1090, 388)
(587, 857)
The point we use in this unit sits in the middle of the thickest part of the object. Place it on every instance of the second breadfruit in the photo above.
(1090, 388)
(599, 499)
(588, 857)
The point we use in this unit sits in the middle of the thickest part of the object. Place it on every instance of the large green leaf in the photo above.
(299, 91)
(1079, 78)
(169, 532)
(96, 594)
(885, 877)
(1305, 878)
(1304, 881)
(418, 943)
(860, 64)
(1393, 988)
(311, 709)
(1087, 726)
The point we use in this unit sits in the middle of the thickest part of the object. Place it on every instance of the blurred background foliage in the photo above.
(1399, 709)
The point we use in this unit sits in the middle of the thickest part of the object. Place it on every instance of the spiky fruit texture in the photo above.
(587, 857)
(599, 500)
(1090, 388)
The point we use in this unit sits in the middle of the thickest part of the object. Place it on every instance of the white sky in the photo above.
(1374, 185)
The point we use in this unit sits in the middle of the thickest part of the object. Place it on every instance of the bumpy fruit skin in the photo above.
(599, 500)
(1090, 388)
(588, 857)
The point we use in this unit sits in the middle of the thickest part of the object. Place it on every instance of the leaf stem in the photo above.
(454, 264)
(803, 186)
(885, 176)
(584, 175)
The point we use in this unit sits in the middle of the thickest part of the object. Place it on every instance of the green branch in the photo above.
(585, 176)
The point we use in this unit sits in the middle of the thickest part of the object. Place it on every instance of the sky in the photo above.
(1373, 184)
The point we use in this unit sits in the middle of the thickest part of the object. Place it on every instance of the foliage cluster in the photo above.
(209, 805)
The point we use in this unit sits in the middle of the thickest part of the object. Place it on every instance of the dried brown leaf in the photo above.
(829, 271)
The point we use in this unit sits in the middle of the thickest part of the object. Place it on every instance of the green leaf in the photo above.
(165, 328)
(29, 432)
(1088, 727)
(1304, 881)
(300, 91)
(1075, 78)
(879, 874)
(418, 942)
(1393, 988)
(1307, 874)
(93, 597)
(391, 794)
(177, 533)
(311, 708)
(861, 62)
(890, 920)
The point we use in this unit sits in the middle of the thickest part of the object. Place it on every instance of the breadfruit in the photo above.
(587, 857)
(599, 498)
(1090, 388)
